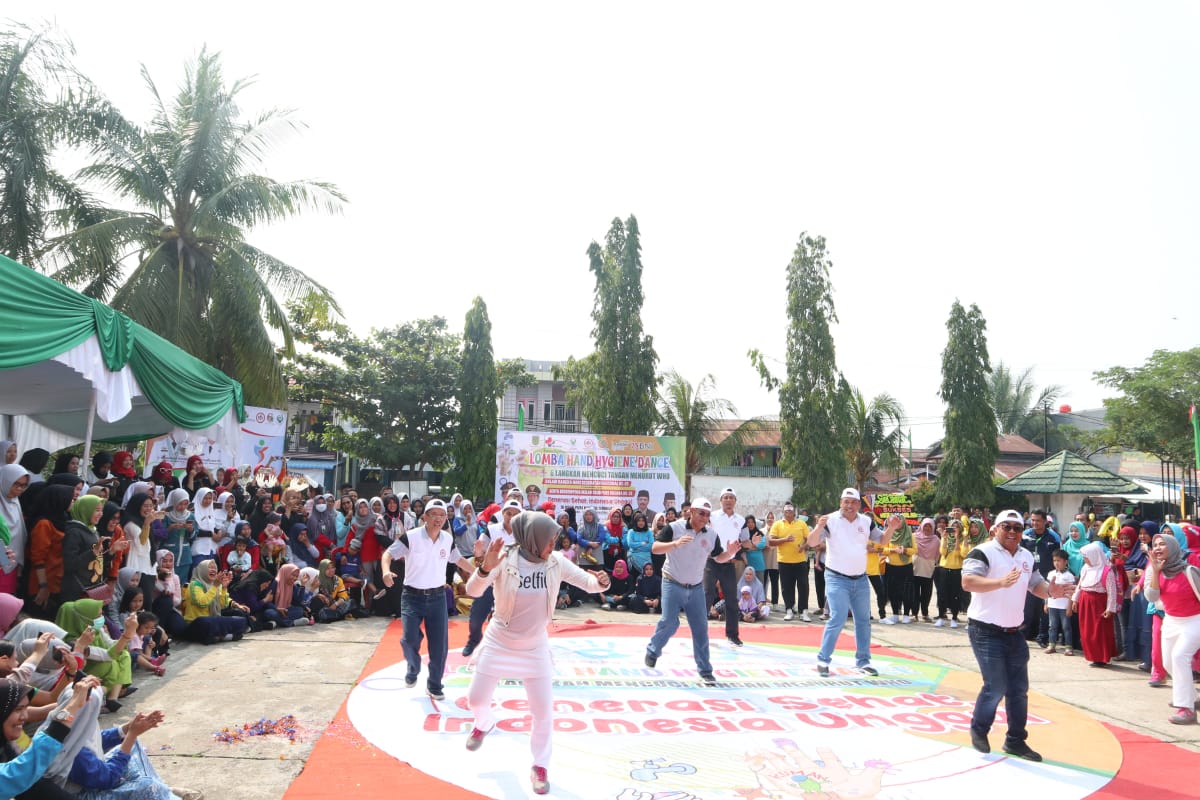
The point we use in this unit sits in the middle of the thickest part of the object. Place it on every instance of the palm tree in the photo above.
(1021, 408)
(180, 263)
(693, 413)
(873, 435)
(44, 102)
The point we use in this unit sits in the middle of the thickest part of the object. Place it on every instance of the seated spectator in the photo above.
(647, 597)
(238, 560)
(109, 660)
(332, 594)
(758, 595)
(256, 592)
(205, 602)
(620, 587)
(287, 599)
(167, 603)
(149, 645)
(19, 773)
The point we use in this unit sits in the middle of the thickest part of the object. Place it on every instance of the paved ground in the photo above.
(309, 671)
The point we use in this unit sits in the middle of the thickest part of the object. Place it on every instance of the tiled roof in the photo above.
(1067, 473)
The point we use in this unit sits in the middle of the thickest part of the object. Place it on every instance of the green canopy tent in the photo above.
(75, 367)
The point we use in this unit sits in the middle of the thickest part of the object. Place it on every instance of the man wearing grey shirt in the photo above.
(688, 544)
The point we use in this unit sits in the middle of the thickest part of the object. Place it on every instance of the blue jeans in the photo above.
(1004, 664)
(1060, 627)
(480, 608)
(847, 594)
(431, 610)
(676, 596)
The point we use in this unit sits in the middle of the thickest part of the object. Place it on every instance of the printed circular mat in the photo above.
(771, 728)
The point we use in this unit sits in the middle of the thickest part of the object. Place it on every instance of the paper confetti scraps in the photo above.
(285, 726)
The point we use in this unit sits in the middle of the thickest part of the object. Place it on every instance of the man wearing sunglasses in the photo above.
(998, 574)
(688, 544)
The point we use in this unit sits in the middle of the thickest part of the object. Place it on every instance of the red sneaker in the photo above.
(475, 740)
(541, 783)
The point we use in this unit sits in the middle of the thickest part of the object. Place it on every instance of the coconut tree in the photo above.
(873, 434)
(694, 413)
(177, 260)
(1022, 409)
(44, 103)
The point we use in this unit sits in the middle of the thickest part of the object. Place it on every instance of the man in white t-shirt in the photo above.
(847, 589)
(482, 606)
(998, 574)
(426, 552)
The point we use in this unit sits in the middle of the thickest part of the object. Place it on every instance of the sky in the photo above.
(1036, 159)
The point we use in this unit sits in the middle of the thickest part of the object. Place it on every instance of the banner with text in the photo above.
(260, 445)
(592, 470)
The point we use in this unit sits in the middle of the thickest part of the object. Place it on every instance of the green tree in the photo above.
(179, 263)
(873, 435)
(923, 496)
(479, 387)
(1021, 408)
(813, 395)
(965, 474)
(44, 103)
(396, 388)
(694, 413)
(1150, 414)
(616, 384)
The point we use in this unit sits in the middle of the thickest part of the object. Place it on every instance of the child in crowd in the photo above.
(1095, 602)
(238, 559)
(349, 567)
(274, 543)
(143, 645)
(747, 607)
(1059, 608)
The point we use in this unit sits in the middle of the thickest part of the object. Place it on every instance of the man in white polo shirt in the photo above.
(482, 606)
(730, 528)
(426, 552)
(846, 586)
(688, 544)
(998, 573)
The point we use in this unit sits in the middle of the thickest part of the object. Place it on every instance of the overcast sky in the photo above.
(1039, 159)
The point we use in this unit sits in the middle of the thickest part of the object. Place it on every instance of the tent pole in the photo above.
(87, 442)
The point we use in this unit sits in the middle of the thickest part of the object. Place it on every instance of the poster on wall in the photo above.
(589, 470)
(260, 445)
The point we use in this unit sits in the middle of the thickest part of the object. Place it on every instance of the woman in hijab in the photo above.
(181, 526)
(109, 764)
(364, 530)
(164, 475)
(14, 479)
(924, 562)
(949, 573)
(196, 476)
(34, 460)
(263, 507)
(898, 577)
(136, 488)
(108, 660)
(19, 773)
(516, 645)
(591, 539)
(10, 609)
(144, 529)
(322, 522)
(66, 463)
(287, 599)
(1130, 563)
(227, 518)
(614, 534)
(83, 557)
(205, 603)
(758, 593)
(100, 473)
(1173, 583)
(256, 591)
(112, 537)
(331, 590)
(620, 587)
(207, 518)
(1095, 602)
(1076, 540)
(304, 553)
(8, 452)
(638, 540)
(45, 548)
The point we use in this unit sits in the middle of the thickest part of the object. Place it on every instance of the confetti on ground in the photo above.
(285, 726)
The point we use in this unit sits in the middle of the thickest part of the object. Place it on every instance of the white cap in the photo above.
(730, 492)
(851, 492)
(1010, 516)
(512, 504)
(702, 502)
(435, 504)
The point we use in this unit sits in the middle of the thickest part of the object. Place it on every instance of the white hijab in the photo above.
(85, 733)
(206, 518)
(11, 509)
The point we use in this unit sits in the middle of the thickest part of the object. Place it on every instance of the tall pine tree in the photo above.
(965, 474)
(812, 394)
(616, 385)
(479, 386)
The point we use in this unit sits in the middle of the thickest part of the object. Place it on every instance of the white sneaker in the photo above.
(888, 620)
(939, 623)
(789, 616)
(953, 623)
(905, 620)
(807, 617)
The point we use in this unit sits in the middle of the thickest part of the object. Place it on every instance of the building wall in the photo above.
(756, 496)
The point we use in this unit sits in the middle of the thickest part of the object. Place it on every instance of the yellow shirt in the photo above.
(875, 559)
(199, 601)
(795, 551)
(952, 557)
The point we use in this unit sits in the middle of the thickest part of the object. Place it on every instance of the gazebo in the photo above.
(1063, 481)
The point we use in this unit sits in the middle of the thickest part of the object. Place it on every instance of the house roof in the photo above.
(767, 436)
(1011, 448)
(1067, 473)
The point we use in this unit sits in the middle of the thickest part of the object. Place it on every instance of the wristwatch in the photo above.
(63, 716)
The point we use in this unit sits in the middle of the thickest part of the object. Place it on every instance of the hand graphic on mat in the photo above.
(790, 773)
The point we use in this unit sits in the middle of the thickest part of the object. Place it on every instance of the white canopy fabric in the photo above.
(1155, 493)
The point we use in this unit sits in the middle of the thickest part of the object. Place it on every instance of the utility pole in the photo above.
(1045, 430)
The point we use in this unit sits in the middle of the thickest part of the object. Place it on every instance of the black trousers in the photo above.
(793, 578)
(899, 578)
(724, 575)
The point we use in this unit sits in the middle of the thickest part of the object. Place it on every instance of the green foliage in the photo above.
(1005, 500)
(965, 474)
(1151, 413)
(478, 389)
(178, 261)
(812, 396)
(1021, 409)
(923, 495)
(397, 388)
(873, 435)
(616, 385)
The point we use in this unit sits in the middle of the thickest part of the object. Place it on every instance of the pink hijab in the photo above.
(284, 582)
(10, 608)
(928, 543)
